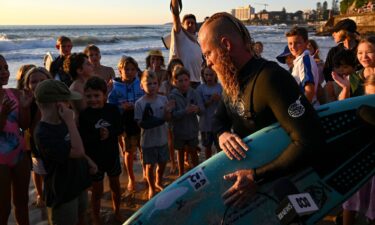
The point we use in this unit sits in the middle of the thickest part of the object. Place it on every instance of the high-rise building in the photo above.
(243, 13)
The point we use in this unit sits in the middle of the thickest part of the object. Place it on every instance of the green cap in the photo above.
(54, 91)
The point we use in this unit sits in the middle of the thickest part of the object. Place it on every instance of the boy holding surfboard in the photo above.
(64, 45)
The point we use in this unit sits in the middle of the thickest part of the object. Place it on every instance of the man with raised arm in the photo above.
(184, 43)
(257, 93)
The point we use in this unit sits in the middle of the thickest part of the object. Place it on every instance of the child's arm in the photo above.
(25, 99)
(171, 104)
(67, 115)
(309, 91)
(344, 84)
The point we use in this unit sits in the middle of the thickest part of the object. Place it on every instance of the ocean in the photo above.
(28, 44)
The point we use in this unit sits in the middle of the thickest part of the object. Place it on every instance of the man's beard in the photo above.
(227, 74)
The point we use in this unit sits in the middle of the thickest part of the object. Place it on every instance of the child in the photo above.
(20, 76)
(64, 45)
(344, 64)
(126, 91)
(14, 164)
(165, 89)
(79, 67)
(185, 121)
(68, 167)
(31, 79)
(94, 56)
(210, 92)
(151, 111)
(313, 48)
(155, 62)
(100, 126)
(258, 48)
(354, 87)
(305, 70)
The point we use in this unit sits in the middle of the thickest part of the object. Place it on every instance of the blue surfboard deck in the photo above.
(195, 198)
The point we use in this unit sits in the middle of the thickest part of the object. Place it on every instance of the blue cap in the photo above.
(281, 58)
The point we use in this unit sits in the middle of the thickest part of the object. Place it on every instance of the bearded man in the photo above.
(257, 93)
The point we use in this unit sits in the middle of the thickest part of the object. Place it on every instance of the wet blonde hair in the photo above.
(34, 70)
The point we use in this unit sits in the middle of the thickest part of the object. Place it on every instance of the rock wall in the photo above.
(365, 21)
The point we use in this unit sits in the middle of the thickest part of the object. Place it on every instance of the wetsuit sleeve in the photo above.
(221, 122)
(278, 91)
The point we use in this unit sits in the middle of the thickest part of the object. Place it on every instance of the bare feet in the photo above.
(131, 186)
(158, 186)
(151, 193)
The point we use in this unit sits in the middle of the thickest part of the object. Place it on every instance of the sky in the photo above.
(114, 12)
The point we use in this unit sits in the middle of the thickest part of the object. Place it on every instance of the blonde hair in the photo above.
(148, 75)
(125, 60)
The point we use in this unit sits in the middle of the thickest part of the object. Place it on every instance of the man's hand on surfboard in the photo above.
(242, 190)
(233, 146)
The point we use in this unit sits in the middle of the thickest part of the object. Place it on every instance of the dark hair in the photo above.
(258, 43)
(148, 60)
(73, 63)
(63, 39)
(298, 31)
(96, 83)
(204, 67)
(2, 57)
(91, 47)
(189, 16)
(171, 66)
(369, 39)
(178, 71)
(344, 57)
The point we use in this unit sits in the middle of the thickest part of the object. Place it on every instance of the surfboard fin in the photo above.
(367, 114)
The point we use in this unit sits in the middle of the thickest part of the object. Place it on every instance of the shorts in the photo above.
(131, 143)
(209, 138)
(112, 171)
(180, 144)
(38, 166)
(68, 213)
(154, 155)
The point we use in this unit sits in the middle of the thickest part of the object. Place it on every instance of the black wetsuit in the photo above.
(274, 97)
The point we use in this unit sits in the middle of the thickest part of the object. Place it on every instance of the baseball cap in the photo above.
(155, 52)
(283, 55)
(54, 91)
(346, 24)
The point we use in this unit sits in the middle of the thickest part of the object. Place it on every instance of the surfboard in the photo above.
(195, 198)
(166, 41)
(47, 60)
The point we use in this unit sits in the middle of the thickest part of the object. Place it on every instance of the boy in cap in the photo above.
(68, 168)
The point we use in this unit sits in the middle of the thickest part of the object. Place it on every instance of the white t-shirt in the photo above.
(305, 71)
(157, 136)
(188, 51)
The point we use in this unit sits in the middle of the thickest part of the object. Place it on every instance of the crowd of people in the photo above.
(77, 118)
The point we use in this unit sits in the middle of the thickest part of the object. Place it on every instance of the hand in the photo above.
(215, 97)
(8, 105)
(127, 106)
(93, 168)
(233, 146)
(104, 133)
(342, 81)
(171, 104)
(192, 109)
(66, 114)
(26, 98)
(109, 85)
(242, 190)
